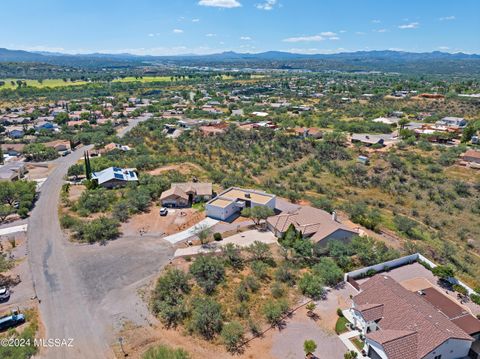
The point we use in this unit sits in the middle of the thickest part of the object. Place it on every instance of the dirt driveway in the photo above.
(152, 224)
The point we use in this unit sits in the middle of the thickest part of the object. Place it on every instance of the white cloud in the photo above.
(220, 3)
(376, 21)
(443, 48)
(382, 30)
(210, 35)
(267, 5)
(412, 25)
(326, 35)
(195, 20)
(177, 31)
(245, 38)
(447, 18)
(360, 33)
(151, 35)
(342, 31)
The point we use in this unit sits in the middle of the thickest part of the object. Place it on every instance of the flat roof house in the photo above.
(471, 156)
(12, 171)
(313, 223)
(234, 200)
(184, 194)
(400, 324)
(454, 122)
(115, 177)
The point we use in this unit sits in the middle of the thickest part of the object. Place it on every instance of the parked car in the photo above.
(163, 211)
(11, 320)
(4, 294)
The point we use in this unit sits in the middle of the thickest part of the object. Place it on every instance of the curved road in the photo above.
(65, 309)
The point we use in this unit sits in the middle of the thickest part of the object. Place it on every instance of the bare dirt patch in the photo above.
(183, 168)
(36, 171)
(151, 223)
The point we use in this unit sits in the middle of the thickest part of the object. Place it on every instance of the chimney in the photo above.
(334, 216)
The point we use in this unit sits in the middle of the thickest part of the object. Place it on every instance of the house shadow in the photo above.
(233, 217)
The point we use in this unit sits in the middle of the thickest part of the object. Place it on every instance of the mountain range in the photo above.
(385, 60)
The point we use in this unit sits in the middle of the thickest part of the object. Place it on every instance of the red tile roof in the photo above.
(407, 311)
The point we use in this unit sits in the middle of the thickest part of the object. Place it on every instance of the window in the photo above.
(438, 357)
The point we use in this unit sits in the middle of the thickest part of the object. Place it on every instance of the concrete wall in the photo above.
(339, 235)
(381, 266)
(271, 203)
(378, 348)
(451, 349)
(417, 257)
(221, 213)
(174, 202)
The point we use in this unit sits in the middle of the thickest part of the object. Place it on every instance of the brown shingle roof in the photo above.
(371, 312)
(308, 220)
(174, 191)
(199, 188)
(407, 311)
(398, 344)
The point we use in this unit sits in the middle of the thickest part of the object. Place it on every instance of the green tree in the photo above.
(309, 346)
(203, 232)
(233, 256)
(206, 318)
(39, 152)
(259, 251)
(327, 269)
(312, 286)
(444, 271)
(258, 213)
(101, 230)
(208, 271)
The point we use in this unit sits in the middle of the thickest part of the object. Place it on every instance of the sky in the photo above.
(172, 27)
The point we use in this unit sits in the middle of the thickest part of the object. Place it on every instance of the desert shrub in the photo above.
(164, 352)
(94, 201)
(459, 289)
(206, 318)
(217, 236)
(241, 293)
(284, 274)
(121, 211)
(101, 230)
(68, 222)
(252, 283)
(208, 271)
(327, 269)
(475, 298)
(274, 311)
(444, 272)
(259, 251)
(232, 336)
(233, 256)
(259, 269)
(277, 290)
(312, 286)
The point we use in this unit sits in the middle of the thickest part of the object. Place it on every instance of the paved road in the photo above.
(81, 288)
(63, 310)
(132, 123)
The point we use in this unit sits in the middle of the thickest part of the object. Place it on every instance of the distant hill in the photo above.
(398, 61)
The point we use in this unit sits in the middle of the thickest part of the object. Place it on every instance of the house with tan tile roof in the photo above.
(400, 324)
(313, 223)
(184, 194)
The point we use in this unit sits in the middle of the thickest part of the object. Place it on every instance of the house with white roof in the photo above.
(113, 177)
